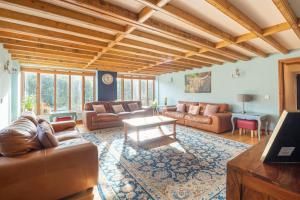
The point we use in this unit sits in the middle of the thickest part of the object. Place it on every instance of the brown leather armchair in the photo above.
(52, 173)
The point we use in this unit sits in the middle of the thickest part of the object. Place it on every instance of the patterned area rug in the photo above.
(159, 167)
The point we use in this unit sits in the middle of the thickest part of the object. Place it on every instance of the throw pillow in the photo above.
(19, 138)
(210, 110)
(180, 107)
(46, 138)
(118, 108)
(133, 106)
(194, 110)
(99, 108)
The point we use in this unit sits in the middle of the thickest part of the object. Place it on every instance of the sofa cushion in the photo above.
(99, 108)
(176, 115)
(193, 110)
(202, 108)
(118, 108)
(180, 107)
(133, 106)
(199, 119)
(188, 104)
(105, 117)
(19, 138)
(46, 138)
(210, 110)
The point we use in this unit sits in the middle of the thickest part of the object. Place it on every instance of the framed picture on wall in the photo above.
(198, 82)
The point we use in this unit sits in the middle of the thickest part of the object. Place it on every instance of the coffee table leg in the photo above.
(125, 131)
(174, 130)
(137, 135)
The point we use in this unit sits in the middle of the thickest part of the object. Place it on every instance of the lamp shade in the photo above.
(244, 97)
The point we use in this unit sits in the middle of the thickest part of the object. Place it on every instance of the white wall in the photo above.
(259, 77)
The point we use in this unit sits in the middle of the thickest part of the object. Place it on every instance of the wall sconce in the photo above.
(9, 69)
(236, 73)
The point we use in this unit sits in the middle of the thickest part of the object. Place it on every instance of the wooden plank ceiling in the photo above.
(134, 37)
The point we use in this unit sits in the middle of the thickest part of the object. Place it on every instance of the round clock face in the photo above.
(107, 79)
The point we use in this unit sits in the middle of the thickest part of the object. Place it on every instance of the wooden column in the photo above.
(83, 92)
(122, 89)
(54, 85)
(38, 93)
(70, 93)
(140, 89)
(131, 89)
(94, 88)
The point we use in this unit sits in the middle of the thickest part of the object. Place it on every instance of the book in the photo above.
(284, 143)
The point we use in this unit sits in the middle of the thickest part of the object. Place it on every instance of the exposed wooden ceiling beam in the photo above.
(113, 12)
(289, 15)
(201, 25)
(27, 38)
(231, 11)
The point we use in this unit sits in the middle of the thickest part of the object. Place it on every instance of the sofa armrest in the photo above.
(222, 121)
(58, 172)
(169, 108)
(87, 116)
(64, 125)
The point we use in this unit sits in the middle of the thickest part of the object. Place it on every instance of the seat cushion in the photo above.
(176, 115)
(124, 115)
(67, 135)
(105, 117)
(19, 138)
(199, 118)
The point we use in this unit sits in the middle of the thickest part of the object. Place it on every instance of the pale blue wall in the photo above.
(259, 76)
(9, 98)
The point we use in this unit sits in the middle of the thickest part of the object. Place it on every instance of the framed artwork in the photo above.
(198, 82)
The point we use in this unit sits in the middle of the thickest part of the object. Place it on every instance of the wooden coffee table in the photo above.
(148, 122)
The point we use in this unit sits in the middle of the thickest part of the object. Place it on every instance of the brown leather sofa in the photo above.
(218, 123)
(93, 120)
(53, 173)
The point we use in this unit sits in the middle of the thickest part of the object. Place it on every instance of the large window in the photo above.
(57, 91)
(62, 92)
(76, 93)
(136, 89)
(119, 89)
(46, 93)
(88, 89)
(30, 80)
(127, 89)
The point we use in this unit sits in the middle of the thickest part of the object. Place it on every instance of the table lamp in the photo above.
(244, 98)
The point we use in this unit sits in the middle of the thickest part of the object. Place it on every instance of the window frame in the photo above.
(139, 79)
(38, 72)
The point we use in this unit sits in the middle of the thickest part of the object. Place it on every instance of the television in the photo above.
(284, 143)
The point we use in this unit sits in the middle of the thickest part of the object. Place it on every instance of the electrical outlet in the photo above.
(267, 97)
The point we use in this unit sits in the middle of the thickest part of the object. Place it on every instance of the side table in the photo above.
(259, 117)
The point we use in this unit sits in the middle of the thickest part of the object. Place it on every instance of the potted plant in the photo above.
(27, 103)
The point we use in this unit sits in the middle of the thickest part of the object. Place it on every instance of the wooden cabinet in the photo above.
(249, 179)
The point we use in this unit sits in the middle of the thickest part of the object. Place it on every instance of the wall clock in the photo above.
(107, 79)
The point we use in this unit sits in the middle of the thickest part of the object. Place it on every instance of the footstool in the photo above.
(244, 125)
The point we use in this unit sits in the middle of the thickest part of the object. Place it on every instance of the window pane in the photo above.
(118, 89)
(89, 97)
(29, 102)
(136, 90)
(47, 93)
(62, 92)
(144, 92)
(150, 91)
(127, 89)
(76, 93)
